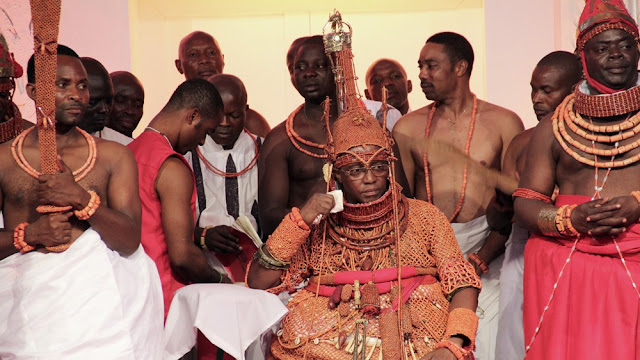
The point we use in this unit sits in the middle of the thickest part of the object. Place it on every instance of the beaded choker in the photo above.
(368, 226)
(565, 116)
(79, 174)
(10, 129)
(295, 138)
(604, 105)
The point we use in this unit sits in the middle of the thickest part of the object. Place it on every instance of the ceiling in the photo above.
(226, 8)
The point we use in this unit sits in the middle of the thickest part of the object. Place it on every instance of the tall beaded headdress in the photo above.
(355, 127)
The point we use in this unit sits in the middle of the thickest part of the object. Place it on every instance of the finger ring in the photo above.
(316, 221)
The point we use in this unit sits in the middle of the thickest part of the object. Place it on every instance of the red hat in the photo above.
(8, 65)
(597, 17)
(601, 15)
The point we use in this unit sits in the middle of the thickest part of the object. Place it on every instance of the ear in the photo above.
(367, 95)
(179, 66)
(193, 116)
(409, 86)
(31, 91)
(337, 175)
(461, 67)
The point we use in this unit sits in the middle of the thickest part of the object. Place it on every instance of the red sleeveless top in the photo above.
(150, 150)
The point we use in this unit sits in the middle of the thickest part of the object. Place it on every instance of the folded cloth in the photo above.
(230, 316)
(471, 236)
(85, 303)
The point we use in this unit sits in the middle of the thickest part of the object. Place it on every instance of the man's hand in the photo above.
(49, 230)
(440, 354)
(220, 240)
(318, 204)
(61, 189)
(623, 211)
(605, 216)
(444, 353)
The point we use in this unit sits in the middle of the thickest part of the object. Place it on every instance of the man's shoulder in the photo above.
(411, 121)
(425, 210)
(277, 136)
(497, 112)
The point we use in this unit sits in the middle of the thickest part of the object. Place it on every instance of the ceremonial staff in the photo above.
(45, 17)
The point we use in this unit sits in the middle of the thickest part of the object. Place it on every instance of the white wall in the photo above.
(255, 48)
(98, 29)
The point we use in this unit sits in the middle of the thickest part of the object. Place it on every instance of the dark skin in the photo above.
(390, 74)
(447, 84)
(184, 129)
(199, 56)
(114, 178)
(292, 175)
(100, 97)
(607, 56)
(128, 103)
(286, 176)
(234, 98)
(369, 188)
(549, 86)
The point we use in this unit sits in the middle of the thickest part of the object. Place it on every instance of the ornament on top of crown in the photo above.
(355, 125)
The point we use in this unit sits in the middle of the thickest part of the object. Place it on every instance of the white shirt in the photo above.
(374, 108)
(243, 151)
(112, 135)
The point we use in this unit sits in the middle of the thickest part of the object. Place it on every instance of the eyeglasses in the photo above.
(378, 169)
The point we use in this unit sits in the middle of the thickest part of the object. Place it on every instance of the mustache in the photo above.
(424, 83)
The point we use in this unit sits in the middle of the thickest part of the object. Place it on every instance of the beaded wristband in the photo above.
(569, 229)
(462, 321)
(90, 209)
(547, 223)
(297, 218)
(203, 237)
(268, 261)
(460, 353)
(636, 194)
(531, 194)
(18, 238)
(481, 263)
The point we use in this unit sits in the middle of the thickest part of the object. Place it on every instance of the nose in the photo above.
(369, 177)
(225, 121)
(535, 97)
(310, 72)
(203, 59)
(422, 75)
(614, 52)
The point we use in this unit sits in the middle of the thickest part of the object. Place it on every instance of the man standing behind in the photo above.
(482, 131)
(199, 57)
(390, 74)
(583, 257)
(167, 188)
(226, 173)
(78, 281)
(555, 77)
(291, 160)
(128, 102)
(100, 100)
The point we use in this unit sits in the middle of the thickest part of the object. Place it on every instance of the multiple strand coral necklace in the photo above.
(219, 172)
(467, 146)
(79, 174)
(295, 138)
(566, 117)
